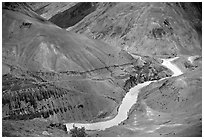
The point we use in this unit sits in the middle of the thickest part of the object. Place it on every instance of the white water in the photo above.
(129, 99)
(191, 58)
(167, 63)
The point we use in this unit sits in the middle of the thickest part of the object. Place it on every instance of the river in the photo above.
(128, 101)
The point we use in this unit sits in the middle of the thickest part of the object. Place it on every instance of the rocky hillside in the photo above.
(81, 74)
(51, 73)
(155, 29)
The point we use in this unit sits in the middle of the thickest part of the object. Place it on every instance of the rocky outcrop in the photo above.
(148, 72)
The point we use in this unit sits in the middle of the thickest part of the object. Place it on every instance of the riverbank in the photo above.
(128, 101)
(170, 107)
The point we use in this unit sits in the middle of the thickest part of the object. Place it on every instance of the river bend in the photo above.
(128, 101)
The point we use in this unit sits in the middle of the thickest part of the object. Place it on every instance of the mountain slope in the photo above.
(154, 29)
(49, 43)
(62, 75)
(58, 76)
(34, 54)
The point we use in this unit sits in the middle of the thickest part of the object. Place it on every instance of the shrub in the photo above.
(78, 132)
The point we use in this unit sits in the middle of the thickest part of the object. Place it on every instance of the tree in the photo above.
(78, 132)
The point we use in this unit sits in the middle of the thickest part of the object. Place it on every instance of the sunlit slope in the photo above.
(155, 29)
(43, 46)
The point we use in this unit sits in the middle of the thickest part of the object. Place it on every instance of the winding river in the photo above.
(127, 102)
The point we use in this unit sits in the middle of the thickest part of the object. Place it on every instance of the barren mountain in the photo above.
(155, 29)
(77, 61)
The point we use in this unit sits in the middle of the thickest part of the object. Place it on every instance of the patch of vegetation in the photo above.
(78, 132)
